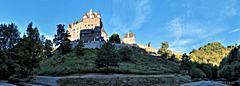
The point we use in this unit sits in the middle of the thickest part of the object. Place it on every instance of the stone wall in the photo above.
(94, 44)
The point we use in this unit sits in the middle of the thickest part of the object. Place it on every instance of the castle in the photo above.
(90, 25)
(89, 30)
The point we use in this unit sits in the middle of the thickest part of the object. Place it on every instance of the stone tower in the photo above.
(90, 21)
(129, 38)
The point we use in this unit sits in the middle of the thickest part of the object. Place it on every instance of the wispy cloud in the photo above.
(129, 14)
(230, 8)
(177, 29)
(235, 30)
(186, 34)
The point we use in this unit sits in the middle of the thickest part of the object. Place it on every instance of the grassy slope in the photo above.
(212, 53)
(74, 64)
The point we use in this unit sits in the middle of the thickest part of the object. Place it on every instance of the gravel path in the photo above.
(204, 83)
(6, 84)
(52, 81)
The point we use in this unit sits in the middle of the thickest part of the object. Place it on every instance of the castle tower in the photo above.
(129, 38)
(90, 20)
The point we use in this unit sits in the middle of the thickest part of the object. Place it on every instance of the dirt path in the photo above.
(204, 83)
(52, 81)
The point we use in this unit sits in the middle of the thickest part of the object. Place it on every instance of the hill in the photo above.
(212, 53)
(72, 63)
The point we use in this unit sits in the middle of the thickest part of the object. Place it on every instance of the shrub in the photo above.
(230, 72)
(197, 73)
(186, 62)
(106, 58)
(125, 54)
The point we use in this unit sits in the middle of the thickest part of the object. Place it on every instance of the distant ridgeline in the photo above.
(212, 53)
(91, 32)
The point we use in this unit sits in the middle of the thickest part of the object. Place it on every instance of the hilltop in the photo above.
(137, 63)
(212, 53)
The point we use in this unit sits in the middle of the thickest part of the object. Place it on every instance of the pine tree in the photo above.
(9, 36)
(47, 47)
(61, 40)
(29, 49)
(107, 58)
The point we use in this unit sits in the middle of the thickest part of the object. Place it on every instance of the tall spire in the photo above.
(90, 13)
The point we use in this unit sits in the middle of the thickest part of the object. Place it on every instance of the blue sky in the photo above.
(185, 24)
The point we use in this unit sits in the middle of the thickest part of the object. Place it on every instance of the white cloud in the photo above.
(186, 34)
(129, 15)
(177, 28)
(179, 49)
(235, 30)
(230, 8)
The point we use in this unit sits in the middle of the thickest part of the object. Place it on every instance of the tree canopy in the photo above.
(107, 57)
(115, 38)
(61, 39)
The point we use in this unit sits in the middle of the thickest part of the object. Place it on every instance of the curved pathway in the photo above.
(204, 83)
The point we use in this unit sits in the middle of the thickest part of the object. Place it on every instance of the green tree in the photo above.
(79, 48)
(164, 51)
(173, 58)
(196, 73)
(30, 48)
(230, 66)
(208, 69)
(47, 47)
(234, 55)
(115, 38)
(165, 45)
(9, 36)
(61, 40)
(185, 62)
(126, 54)
(19, 61)
(107, 58)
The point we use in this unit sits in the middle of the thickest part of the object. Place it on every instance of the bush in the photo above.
(79, 50)
(197, 73)
(230, 66)
(106, 58)
(126, 54)
(186, 63)
(230, 72)
(208, 69)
